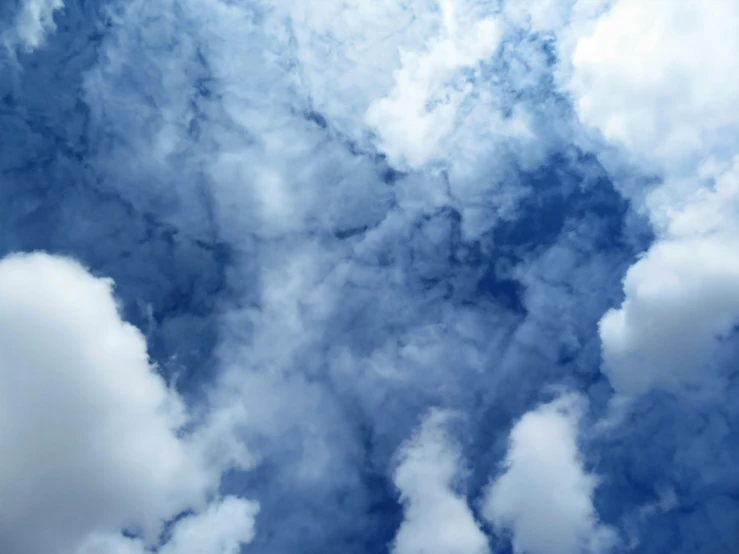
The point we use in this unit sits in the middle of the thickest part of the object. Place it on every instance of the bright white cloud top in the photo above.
(91, 434)
(544, 495)
(654, 81)
(437, 518)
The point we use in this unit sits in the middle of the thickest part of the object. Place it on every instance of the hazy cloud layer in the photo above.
(33, 20)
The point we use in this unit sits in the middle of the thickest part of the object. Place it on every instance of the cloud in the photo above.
(320, 271)
(682, 297)
(221, 529)
(372, 281)
(650, 82)
(437, 517)
(92, 435)
(423, 105)
(544, 496)
(651, 79)
(418, 82)
(33, 22)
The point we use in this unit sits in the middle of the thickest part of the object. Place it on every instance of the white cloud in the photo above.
(33, 22)
(348, 51)
(422, 107)
(682, 296)
(221, 529)
(544, 496)
(90, 434)
(437, 519)
(659, 80)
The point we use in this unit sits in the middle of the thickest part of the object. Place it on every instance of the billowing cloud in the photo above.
(650, 81)
(91, 434)
(650, 78)
(544, 496)
(682, 299)
(682, 295)
(437, 517)
(421, 108)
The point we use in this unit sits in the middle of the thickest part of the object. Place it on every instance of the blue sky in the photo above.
(403, 276)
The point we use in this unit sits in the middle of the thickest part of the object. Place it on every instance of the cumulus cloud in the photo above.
(91, 434)
(544, 496)
(418, 82)
(422, 107)
(651, 80)
(437, 517)
(682, 296)
(33, 22)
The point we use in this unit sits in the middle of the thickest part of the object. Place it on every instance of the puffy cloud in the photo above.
(33, 21)
(92, 436)
(544, 496)
(652, 81)
(423, 105)
(682, 297)
(437, 517)
(660, 79)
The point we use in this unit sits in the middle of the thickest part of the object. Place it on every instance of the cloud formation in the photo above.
(361, 242)
(92, 435)
(437, 517)
(221, 529)
(34, 19)
(422, 106)
(544, 496)
(650, 82)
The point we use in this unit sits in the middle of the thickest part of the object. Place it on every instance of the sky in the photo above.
(389, 276)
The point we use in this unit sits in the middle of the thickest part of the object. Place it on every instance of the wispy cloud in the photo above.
(34, 19)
